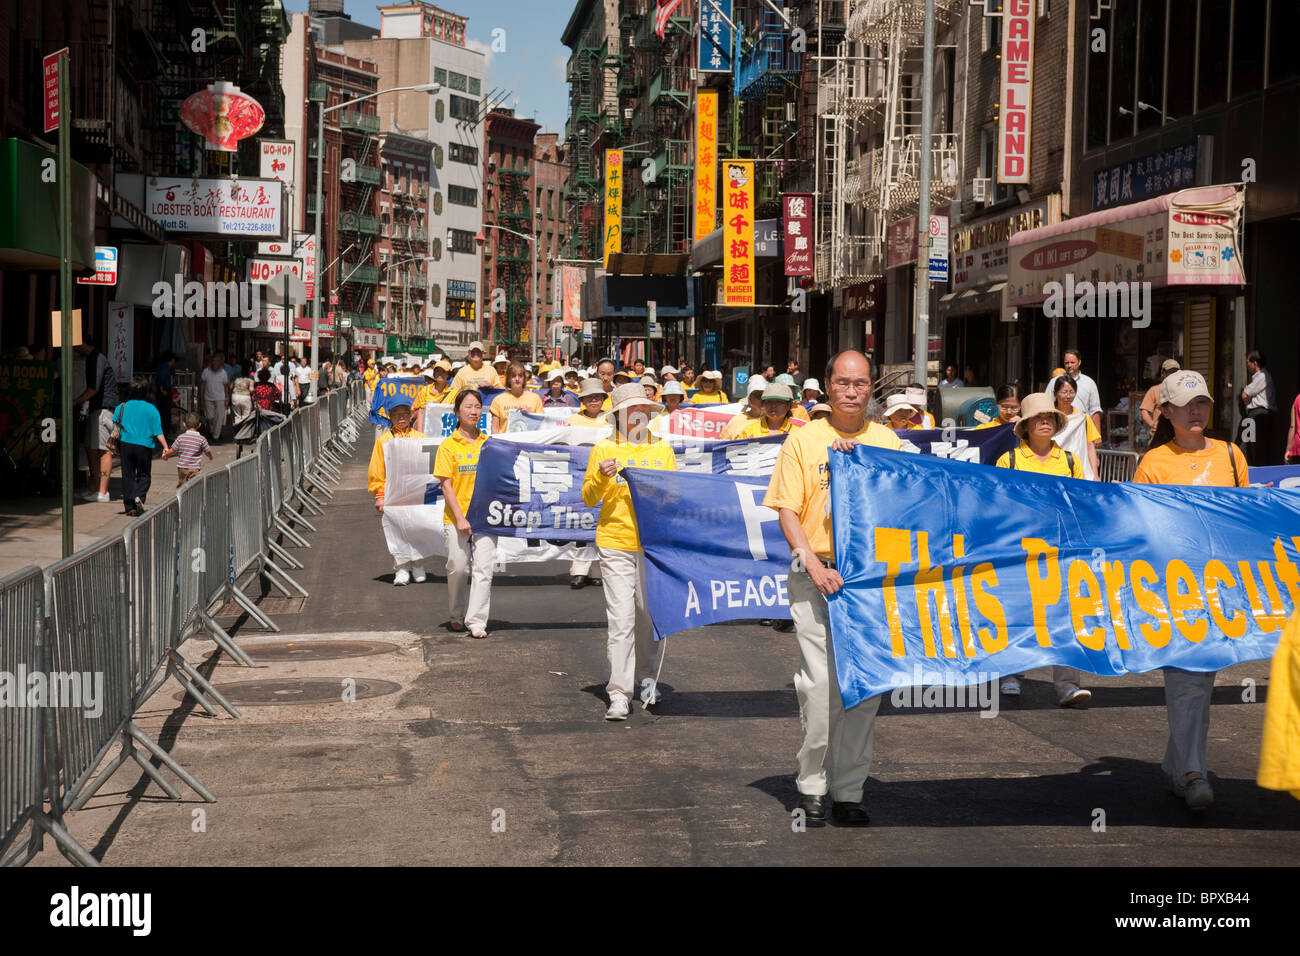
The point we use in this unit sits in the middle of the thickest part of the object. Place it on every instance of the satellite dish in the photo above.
(276, 293)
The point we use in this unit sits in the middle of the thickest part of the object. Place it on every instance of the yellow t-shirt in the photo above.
(1170, 464)
(716, 398)
(370, 376)
(428, 396)
(501, 405)
(996, 423)
(734, 427)
(457, 459)
(377, 474)
(582, 420)
(801, 478)
(617, 525)
(799, 412)
(1056, 464)
(759, 428)
(466, 377)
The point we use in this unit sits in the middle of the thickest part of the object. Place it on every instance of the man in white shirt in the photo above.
(304, 375)
(1261, 401)
(1086, 395)
(950, 379)
(216, 396)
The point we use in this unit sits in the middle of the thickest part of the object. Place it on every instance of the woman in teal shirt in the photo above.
(141, 426)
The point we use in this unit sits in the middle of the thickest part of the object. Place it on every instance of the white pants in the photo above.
(215, 413)
(1063, 679)
(469, 591)
(837, 744)
(582, 567)
(1187, 702)
(631, 635)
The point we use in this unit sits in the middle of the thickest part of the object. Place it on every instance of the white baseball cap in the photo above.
(1181, 387)
(756, 384)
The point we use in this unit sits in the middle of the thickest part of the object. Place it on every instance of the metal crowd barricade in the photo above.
(90, 616)
(269, 488)
(281, 459)
(27, 734)
(1113, 465)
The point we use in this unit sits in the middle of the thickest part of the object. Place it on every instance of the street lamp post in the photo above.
(480, 239)
(321, 110)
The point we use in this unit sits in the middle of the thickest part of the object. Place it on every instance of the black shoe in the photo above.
(813, 806)
(849, 815)
(577, 581)
(594, 582)
(785, 627)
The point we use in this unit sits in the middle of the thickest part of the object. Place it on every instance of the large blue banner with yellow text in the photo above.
(975, 573)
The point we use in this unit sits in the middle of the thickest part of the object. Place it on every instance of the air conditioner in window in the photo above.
(627, 113)
(979, 190)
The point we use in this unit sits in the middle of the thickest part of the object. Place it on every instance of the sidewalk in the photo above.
(31, 529)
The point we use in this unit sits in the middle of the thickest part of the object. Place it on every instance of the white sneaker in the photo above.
(650, 692)
(417, 574)
(1075, 696)
(401, 578)
(102, 497)
(1011, 686)
(618, 707)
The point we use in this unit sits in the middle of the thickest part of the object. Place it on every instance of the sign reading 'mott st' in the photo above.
(1017, 90)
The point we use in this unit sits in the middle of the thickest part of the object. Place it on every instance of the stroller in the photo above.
(252, 425)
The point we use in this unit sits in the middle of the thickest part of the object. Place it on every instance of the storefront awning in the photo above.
(972, 301)
(29, 210)
(767, 244)
(1182, 238)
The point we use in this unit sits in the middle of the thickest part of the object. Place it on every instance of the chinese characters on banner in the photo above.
(613, 202)
(714, 53)
(796, 232)
(1017, 90)
(119, 343)
(571, 293)
(738, 232)
(706, 162)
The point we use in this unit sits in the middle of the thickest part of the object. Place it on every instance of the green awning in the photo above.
(29, 210)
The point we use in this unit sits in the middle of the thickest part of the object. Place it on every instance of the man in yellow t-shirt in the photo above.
(631, 635)
(377, 477)
(837, 744)
(475, 374)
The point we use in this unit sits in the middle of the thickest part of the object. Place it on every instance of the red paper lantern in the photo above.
(222, 115)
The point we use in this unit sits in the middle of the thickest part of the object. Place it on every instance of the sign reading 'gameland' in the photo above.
(1016, 571)
(738, 279)
(1017, 90)
(613, 202)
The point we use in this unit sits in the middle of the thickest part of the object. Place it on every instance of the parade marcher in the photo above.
(1063, 397)
(501, 365)
(435, 391)
(899, 413)
(916, 395)
(812, 393)
(688, 377)
(671, 397)
(1261, 402)
(400, 417)
(777, 402)
(623, 377)
(590, 416)
(1037, 452)
(140, 428)
(820, 412)
(1088, 397)
(476, 373)
(469, 557)
(631, 636)
(1008, 399)
(651, 387)
(516, 397)
(557, 396)
(710, 391)
(751, 412)
(1181, 454)
(835, 756)
(572, 381)
(668, 374)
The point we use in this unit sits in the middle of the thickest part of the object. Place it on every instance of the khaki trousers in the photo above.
(1187, 702)
(631, 634)
(469, 578)
(837, 744)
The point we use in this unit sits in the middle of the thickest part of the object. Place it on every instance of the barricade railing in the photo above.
(1114, 465)
(27, 731)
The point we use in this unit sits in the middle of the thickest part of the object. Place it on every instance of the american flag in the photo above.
(662, 13)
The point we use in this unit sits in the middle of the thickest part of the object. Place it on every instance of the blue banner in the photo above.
(532, 491)
(391, 392)
(440, 420)
(972, 573)
(713, 552)
(1276, 476)
(984, 445)
(714, 54)
(746, 456)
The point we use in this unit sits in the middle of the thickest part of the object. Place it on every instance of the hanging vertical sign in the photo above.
(613, 202)
(1017, 90)
(738, 232)
(714, 53)
(305, 251)
(796, 233)
(706, 162)
(50, 80)
(119, 339)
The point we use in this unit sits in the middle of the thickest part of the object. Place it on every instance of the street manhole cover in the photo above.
(279, 692)
(311, 651)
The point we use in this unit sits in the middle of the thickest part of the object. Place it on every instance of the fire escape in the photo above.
(407, 283)
(769, 76)
(357, 222)
(585, 132)
(869, 92)
(514, 256)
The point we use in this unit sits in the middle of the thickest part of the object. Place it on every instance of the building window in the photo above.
(463, 107)
(1212, 74)
(460, 153)
(440, 76)
(462, 241)
(457, 81)
(989, 165)
(993, 29)
(462, 195)
(465, 310)
(475, 86)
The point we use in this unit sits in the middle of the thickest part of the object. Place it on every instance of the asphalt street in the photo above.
(458, 751)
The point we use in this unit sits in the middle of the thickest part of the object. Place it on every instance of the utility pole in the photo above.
(65, 304)
(923, 203)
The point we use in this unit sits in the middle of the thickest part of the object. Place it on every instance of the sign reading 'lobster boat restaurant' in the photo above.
(1017, 90)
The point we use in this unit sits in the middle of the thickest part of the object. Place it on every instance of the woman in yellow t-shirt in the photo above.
(456, 467)
(516, 397)
(622, 562)
(591, 399)
(710, 391)
(1039, 453)
(776, 419)
(1063, 393)
(1181, 454)
(1008, 399)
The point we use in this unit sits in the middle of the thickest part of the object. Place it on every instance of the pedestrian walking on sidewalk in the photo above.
(216, 396)
(141, 426)
(189, 448)
(456, 467)
(100, 399)
(630, 644)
